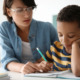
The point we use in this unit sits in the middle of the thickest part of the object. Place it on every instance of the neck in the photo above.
(23, 29)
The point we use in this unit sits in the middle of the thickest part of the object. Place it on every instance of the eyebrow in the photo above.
(19, 7)
(22, 7)
(71, 32)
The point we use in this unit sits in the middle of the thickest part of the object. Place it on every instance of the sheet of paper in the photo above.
(4, 75)
(69, 75)
(52, 74)
(49, 74)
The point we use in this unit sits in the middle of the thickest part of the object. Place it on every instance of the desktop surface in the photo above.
(19, 76)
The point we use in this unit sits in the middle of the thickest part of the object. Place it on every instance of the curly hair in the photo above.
(69, 13)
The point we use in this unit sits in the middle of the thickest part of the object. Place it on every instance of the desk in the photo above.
(19, 76)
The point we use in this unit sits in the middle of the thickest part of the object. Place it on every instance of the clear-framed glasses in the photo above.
(22, 10)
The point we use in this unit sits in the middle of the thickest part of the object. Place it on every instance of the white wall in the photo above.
(2, 18)
(45, 8)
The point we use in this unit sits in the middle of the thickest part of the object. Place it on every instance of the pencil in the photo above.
(41, 54)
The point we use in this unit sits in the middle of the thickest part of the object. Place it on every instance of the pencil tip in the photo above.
(37, 48)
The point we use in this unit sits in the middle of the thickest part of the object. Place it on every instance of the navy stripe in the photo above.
(54, 67)
(65, 53)
(48, 58)
(60, 50)
(63, 66)
(61, 58)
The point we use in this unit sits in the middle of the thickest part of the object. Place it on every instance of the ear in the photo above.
(9, 12)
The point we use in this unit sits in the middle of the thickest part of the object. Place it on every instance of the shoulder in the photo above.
(57, 46)
(6, 26)
(43, 24)
(5, 23)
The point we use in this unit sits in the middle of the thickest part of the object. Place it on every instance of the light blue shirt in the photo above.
(41, 35)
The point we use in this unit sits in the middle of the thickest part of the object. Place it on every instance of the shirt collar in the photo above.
(33, 28)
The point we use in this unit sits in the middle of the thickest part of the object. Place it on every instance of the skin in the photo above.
(69, 36)
(23, 25)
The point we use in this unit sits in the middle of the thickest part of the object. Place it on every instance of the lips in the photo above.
(27, 20)
(67, 46)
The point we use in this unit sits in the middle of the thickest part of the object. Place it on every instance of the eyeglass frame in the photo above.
(28, 9)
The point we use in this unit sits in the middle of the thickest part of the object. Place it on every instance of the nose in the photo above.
(64, 40)
(26, 14)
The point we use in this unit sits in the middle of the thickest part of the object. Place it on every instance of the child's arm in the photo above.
(75, 57)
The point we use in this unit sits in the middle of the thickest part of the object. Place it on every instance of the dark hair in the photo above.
(8, 4)
(70, 13)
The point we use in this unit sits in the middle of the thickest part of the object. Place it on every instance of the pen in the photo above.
(41, 54)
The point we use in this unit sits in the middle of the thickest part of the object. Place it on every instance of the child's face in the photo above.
(68, 32)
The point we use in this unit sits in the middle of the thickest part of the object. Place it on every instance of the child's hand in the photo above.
(45, 66)
(77, 42)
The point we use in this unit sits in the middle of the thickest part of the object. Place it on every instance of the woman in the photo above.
(21, 35)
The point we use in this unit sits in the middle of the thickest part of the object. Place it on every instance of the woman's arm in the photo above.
(75, 58)
(14, 66)
(29, 67)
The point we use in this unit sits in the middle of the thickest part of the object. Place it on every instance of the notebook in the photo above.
(52, 74)
(4, 75)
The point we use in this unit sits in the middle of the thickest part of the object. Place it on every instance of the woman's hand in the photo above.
(29, 67)
(45, 66)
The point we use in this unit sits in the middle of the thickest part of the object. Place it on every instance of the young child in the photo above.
(66, 53)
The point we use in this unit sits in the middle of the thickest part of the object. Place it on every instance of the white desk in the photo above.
(19, 76)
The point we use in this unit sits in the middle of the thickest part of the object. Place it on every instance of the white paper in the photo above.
(69, 75)
(49, 74)
(4, 75)
(52, 74)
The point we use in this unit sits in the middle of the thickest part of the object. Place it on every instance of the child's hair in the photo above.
(70, 13)
(8, 4)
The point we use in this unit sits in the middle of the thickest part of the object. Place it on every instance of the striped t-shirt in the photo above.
(60, 58)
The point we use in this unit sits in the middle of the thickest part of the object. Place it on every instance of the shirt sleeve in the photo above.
(49, 55)
(6, 51)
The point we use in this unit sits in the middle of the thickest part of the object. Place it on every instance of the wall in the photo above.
(45, 8)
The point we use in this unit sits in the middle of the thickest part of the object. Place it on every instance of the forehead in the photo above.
(18, 3)
(67, 27)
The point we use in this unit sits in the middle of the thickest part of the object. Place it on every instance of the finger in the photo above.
(47, 66)
(33, 66)
(28, 69)
(44, 68)
(50, 65)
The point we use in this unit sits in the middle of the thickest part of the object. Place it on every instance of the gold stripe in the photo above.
(59, 61)
(48, 55)
(58, 45)
(61, 69)
(59, 53)
(55, 70)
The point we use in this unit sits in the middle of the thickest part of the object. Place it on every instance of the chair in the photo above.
(55, 21)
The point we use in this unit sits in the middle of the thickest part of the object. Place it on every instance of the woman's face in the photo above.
(21, 14)
(68, 32)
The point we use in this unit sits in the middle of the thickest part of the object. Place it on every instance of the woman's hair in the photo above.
(8, 4)
(70, 13)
